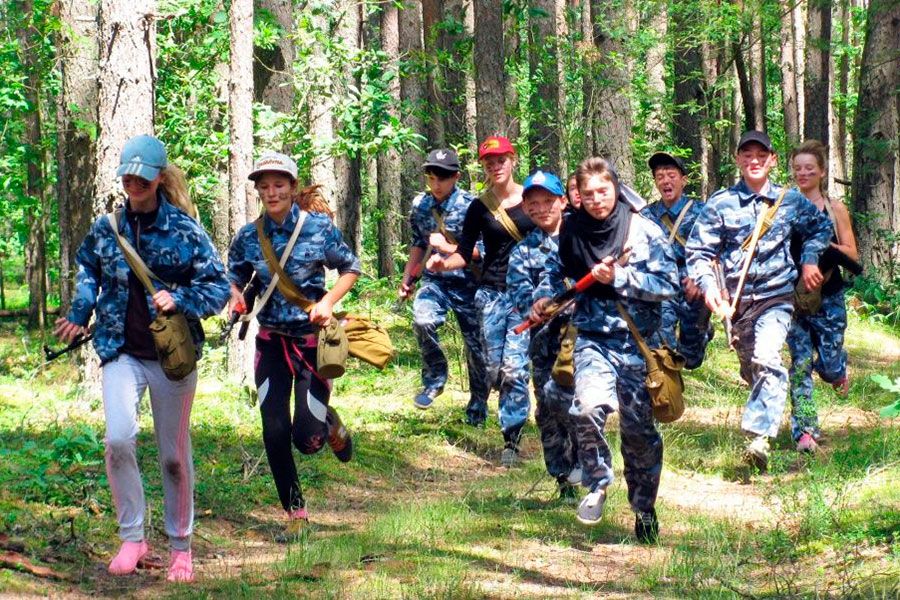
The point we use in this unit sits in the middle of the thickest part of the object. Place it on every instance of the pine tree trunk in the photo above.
(658, 23)
(688, 72)
(489, 70)
(610, 105)
(412, 95)
(840, 141)
(348, 188)
(790, 108)
(321, 117)
(876, 172)
(816, 86)
(757, 52)
(272, 68)
(431, 16)
(389, 164)
(76, 116)
(452, 92)
(242, 196)
(511, 49)
(545, 106)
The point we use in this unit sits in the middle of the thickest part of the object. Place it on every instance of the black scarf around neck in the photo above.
(585, 241)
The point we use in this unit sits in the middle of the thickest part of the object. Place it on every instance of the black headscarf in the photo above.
(585, 241)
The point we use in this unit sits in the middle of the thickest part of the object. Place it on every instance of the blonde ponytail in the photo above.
(174, 186)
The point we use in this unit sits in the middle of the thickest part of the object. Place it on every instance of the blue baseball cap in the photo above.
(144, 156)
(546, 181)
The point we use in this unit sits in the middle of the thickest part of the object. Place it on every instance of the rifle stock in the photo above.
(719, 273)
(557, 303)
(251, 291)
(81, 340)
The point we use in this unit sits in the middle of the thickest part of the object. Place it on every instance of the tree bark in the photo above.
(876, 170)
(511, 49)
(544, 138)
(610, 106)
(272, 69)
(689, 93)
(757, 53)
(452, 91)
(348, 187)
(431, 17)
(242, 196)
(790, 108)
(323, 170)
(658, 23)
(490, 76)
(76, 118)
(816, 86)
(389, 187)
(412, 96)
(840, 138)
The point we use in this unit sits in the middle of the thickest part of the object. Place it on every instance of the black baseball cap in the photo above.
(442, 158)
(755, 136)
(664, 159)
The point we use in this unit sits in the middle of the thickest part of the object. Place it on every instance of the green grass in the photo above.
(423, 512)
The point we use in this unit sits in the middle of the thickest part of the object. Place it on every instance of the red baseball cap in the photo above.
(495, 144)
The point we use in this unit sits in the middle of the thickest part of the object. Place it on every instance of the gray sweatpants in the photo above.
(124, 382)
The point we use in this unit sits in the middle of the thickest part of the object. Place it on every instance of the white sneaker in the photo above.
(757, 453)
(574, 476)
(590, 511)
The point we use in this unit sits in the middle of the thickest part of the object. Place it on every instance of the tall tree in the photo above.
(318, 80)
(29, 37)
(840, 87)
(658, 24)
(489, 69)
(609, 105)
(412, 96)
(347, 165)
(789, 97)
(546, 108)
(816, 76)
(431, 25)
(452, 91)
(272, 74)
(389, 159)
(76, 119)
(876, 175)
(688, 74)
(241, 195)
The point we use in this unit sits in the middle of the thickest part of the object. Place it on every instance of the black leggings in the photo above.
(284, 362)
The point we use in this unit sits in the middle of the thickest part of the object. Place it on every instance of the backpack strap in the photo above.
(490, 202)
(441, 227)
(764, 218)
(134, 260)
(673, 227)
(280, 278)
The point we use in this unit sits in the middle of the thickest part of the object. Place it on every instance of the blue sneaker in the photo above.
(424, 398)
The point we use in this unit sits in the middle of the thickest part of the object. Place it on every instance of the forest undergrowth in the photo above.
(424, 510)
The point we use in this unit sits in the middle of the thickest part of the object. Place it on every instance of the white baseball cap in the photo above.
(276, 162)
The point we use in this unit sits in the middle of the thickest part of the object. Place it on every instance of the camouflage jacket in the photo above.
(649, 277)
(729, 217)
(527, 262)
(175, 248)
(658, 209)
(319, 245)
(422, 224)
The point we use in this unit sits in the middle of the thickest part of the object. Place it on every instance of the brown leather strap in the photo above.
(287, 287)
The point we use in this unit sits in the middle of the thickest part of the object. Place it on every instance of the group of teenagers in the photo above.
(495, 261)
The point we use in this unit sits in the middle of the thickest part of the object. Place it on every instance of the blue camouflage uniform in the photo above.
(816, 343)
(761, 322)
(175, 247)
(609, 368)
(449, 290)
(692, 319)
(319, 245)
(526, 266)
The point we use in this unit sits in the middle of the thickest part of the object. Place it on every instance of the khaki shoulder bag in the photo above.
(345, 334)
(171, 332)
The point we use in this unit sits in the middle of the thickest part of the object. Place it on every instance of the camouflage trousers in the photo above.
(507, 358)
(554, 401)
(430, 307)
(822, 335)
(759, 332)
(692, 322)
(609, 377)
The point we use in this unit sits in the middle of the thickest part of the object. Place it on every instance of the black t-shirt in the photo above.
(498, 244)
(138, 340)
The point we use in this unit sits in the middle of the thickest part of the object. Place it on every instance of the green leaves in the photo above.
(891, 411)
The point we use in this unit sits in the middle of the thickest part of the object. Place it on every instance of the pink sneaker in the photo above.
(807, 443)
(130, 553)
(842, 386)
(181, 569)
(297, 521)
